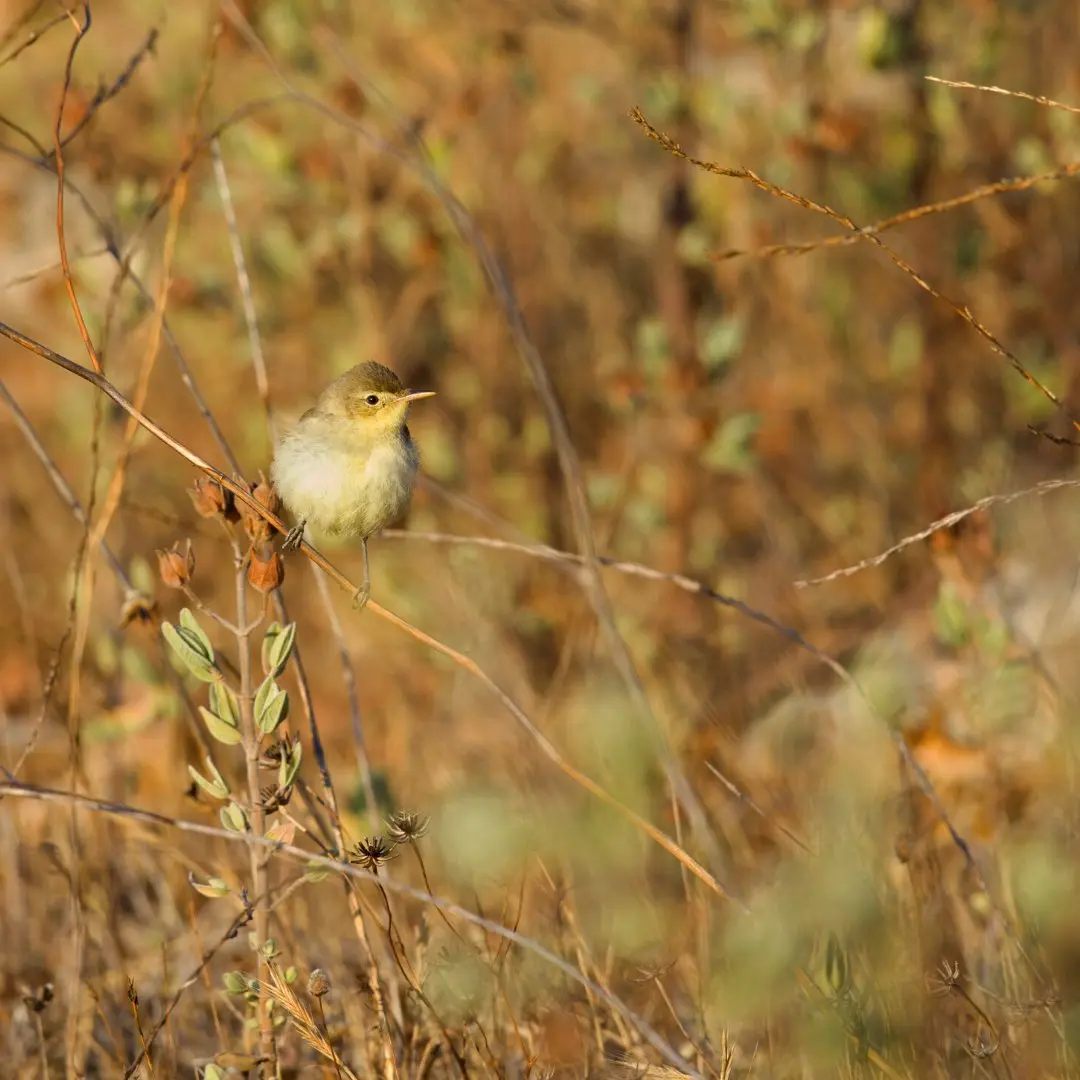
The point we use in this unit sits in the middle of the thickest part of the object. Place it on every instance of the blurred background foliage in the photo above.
(746, 421)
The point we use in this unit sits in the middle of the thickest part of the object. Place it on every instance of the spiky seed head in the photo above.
(371, 853)
(405, 826)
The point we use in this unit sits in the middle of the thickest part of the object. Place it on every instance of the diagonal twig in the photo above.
(1044, 487)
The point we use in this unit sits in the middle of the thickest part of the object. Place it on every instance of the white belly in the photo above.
(342, 489)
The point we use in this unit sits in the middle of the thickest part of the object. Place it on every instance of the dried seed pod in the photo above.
(212, 500)
(176, 567)
(255, 525)
(265, 572)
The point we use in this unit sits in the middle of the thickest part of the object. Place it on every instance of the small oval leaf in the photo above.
(191, 625)
(214, 788)
(288, 769)
(268, 639)
(188, 649)
(233, 818)
(266, 688)
(275, 708)
(278, 647)
(223, 702)
(213, 887)
(283, 832)
(224, 732)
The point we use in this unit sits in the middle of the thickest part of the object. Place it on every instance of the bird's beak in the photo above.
(416, 395)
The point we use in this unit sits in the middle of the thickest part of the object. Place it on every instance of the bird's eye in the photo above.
(372, 399)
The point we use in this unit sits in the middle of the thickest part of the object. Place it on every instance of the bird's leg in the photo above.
(360, 597)
(294, 538)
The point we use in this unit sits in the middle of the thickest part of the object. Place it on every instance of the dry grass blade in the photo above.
(984, 191)
(947, 522)
(33, 37)
(284, 995)
(81, 32)
(1037, 98)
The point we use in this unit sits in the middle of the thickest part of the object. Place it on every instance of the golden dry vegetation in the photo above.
(684, 810)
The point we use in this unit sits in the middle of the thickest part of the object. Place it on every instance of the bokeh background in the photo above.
(745, 422)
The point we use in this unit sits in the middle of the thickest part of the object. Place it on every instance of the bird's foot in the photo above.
(361, 596)
(294, 538)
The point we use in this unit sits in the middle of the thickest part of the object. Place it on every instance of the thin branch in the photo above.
(1037, 98)
(82, 31)
(999, 187)
(1044, 487)
(107, 93)
(61, 485)
(23, 20)
(34, 36)
(258, 361)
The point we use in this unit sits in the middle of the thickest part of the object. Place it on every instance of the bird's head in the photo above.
(371, 396)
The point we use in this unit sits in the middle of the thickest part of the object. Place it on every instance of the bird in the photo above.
(348, 467)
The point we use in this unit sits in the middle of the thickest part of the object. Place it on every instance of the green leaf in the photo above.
(215, 788)
(233, 818)
(951, 617)
(722, 341)
(277, 646)
(212, 1072)
(224, 704)
(275, 708)
(236, 982)
(222, 730)
(266, 690)
(316, 872)
(288, 769)
(272, 632)
(188, 647)
(191, 624)
(731, 448)
(212, 887)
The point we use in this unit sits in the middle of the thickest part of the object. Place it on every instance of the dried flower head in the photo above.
(255, 525)
(137, 607)
(272, 798)
(405, 826)
(266, 571)
(318, 984)
(371, 853)
(278, 751)
(176, 567)
(212, 500)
